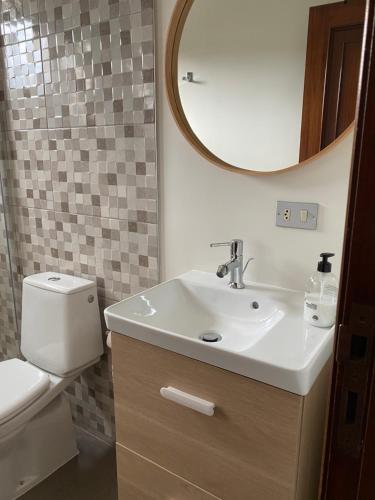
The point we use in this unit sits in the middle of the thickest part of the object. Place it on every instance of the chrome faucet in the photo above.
(235, 265)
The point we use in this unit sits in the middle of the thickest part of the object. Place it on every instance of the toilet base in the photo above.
(37, 450)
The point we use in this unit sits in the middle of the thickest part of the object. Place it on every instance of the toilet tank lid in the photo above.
(59, 283)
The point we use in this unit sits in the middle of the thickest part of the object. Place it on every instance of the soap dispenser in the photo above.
(321, 295)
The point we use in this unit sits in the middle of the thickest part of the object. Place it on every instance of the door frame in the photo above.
(348, 472)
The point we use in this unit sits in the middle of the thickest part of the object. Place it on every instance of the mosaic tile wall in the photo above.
(9, 345)
(77, 94)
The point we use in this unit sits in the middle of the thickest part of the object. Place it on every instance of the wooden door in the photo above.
(350, 457)
(331, 75)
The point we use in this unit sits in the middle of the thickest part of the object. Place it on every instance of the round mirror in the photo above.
(264, 85)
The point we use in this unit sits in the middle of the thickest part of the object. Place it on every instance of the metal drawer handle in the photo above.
(185, 399)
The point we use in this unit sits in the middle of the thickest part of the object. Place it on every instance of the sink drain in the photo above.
(210, 337)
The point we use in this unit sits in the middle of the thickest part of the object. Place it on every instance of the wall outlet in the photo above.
(287, 214)
(297, 215)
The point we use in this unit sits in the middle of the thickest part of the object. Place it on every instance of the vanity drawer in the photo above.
(140, 479)
(248, 450)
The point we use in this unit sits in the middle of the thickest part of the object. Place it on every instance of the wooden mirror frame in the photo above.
(177, 23)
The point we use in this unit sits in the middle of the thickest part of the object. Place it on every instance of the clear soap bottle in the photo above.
(321, 295)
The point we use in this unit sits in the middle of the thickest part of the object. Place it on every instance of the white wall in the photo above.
(201, 203)
(249, 64)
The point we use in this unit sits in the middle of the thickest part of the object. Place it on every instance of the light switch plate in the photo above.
(297, 215)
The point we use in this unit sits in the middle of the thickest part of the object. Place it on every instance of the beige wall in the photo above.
(201, 203)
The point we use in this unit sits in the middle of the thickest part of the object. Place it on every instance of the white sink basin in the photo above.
(260, 330)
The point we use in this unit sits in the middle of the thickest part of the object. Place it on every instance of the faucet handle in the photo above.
(236, 247)
(224, 244)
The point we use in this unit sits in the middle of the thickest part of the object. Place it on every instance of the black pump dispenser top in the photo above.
(324, 266)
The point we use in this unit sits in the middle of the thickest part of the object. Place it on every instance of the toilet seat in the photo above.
(18, 419)
(20, 385)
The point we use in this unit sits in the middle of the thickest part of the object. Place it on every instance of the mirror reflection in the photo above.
(266, 84)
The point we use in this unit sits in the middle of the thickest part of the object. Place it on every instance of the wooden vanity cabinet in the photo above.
(262, 443)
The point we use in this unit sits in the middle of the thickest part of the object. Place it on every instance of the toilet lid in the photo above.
(20, 385)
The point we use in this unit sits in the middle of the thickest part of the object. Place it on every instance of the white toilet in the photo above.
(60, 337)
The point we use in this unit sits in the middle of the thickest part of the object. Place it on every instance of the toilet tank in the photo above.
(61, 330)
